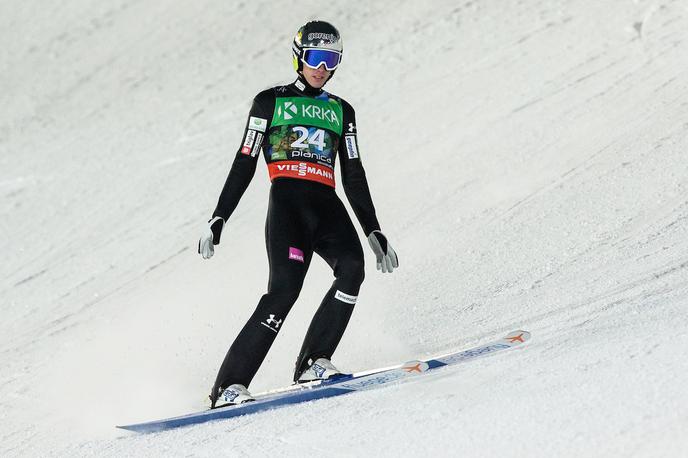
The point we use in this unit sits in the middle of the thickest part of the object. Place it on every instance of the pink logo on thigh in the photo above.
(295, 254)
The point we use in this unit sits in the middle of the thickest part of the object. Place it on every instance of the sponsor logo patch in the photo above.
(296, 254)
(278, 155)
(248, 141)
(324, 114)
(259, 124)
(309, 155)
(322, 36)
(304, 111)
(351, 148)
(287, 110)
(271, 323)
(302, 170)
(349, 299)
(259, 142)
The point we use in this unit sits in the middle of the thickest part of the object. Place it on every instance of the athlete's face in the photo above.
(316, 77)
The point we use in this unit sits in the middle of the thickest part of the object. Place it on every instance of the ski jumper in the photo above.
(300, 131)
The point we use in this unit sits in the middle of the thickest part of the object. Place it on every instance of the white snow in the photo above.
(528, 160)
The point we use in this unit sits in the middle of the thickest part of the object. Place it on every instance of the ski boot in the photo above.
(321, 369)
(232, 395)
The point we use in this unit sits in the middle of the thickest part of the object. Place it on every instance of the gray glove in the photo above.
(386, 256)
(210, 237)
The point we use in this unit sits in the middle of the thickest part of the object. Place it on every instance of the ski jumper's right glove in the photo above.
(210, 237)
(386, 256)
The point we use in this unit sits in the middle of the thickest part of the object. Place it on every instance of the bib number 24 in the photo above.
(317, 138)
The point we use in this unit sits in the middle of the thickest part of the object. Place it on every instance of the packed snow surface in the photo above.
(528, 161)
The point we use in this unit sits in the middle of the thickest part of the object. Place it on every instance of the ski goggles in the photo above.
(314, 57)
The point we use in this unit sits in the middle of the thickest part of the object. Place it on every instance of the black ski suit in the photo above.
(300, 131)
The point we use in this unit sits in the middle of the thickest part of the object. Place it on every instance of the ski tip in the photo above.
(140, 428)
(517, 337)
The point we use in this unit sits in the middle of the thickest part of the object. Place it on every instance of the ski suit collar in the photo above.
(302, 86)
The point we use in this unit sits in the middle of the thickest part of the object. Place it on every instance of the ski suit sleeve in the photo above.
(244, 165)
(353, 174)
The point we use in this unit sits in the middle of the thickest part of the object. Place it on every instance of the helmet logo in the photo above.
(322, 36)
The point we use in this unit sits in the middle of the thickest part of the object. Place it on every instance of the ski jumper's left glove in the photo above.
(210, 237)
(387, 258)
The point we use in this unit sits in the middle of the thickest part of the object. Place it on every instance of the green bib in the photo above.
(305, 111)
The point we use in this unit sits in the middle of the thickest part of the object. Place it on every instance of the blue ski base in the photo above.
(334, 387)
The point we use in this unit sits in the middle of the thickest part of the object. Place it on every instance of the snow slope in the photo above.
(528, 162)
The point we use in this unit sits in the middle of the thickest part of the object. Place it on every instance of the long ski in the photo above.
(329, 388)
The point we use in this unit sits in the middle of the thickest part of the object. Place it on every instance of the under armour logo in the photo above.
(273, 320)
(352, 128)
(272, 323)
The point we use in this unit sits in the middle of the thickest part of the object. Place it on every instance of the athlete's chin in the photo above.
(316, 81)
